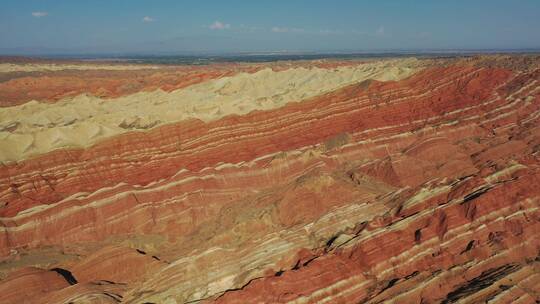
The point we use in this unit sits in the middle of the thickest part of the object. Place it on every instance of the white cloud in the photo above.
(147, 19)
(277, 29)
(380, 31)
(218, 25)
(39, 14)
(330, 32)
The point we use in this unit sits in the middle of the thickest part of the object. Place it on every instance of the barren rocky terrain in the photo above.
(398, 180)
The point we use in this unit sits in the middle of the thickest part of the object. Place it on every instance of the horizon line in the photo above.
(405, 51)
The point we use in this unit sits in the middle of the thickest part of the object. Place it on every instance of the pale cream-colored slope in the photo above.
(34, 128)
(42, 67)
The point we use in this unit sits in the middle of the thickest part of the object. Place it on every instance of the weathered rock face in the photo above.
(414, 183)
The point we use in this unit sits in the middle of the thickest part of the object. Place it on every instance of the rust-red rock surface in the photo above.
(422, 190)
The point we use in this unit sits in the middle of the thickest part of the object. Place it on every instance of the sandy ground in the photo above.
(38, 67)
(35, 128)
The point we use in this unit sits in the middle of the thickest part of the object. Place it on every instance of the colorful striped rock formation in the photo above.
(400, 180)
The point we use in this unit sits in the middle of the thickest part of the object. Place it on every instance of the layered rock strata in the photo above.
(412, 181)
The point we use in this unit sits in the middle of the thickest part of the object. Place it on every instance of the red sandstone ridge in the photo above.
(18, 86)
(416, 187)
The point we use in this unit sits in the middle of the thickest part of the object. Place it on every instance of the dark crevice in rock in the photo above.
(140, 251)
(331, 241)
(104, 282)
(309, 261)
(417, 236)
(68, 276)
(410, 215)
(390, 284)
(116, 297)
(235, 289)
(470, 246)
(475, 194)
(360, 227)
(412, 275)
(502, 288)
(398, 210)
(486, 279)
(136, 198)
(276, 274)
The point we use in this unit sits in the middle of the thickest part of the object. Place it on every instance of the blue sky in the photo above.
(145, 26)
